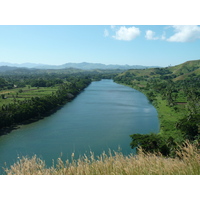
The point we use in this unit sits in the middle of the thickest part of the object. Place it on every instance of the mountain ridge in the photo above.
(82, 65)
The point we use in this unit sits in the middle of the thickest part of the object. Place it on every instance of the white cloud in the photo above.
(184, 33)
(127, 33)
(106, 33)
(150, 35)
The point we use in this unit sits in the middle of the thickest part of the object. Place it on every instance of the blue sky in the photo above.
(150, 45)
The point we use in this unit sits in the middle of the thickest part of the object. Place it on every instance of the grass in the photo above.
(186, 162)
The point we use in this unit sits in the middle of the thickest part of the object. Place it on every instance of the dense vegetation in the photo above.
(175, 92)
(32, 107)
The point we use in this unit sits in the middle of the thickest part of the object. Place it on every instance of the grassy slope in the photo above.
(182, 70)
(184, 76)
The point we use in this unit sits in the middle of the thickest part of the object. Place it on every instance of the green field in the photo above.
(169, 116)
(19, 94)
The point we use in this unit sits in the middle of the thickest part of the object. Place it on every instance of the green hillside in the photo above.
(185, 67)
(178, 72)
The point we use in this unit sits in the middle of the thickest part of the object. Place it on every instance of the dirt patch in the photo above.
(181, 103)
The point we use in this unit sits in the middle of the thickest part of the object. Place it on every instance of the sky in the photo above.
(149, 45)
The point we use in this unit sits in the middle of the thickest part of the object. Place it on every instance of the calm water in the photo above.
(101, 117)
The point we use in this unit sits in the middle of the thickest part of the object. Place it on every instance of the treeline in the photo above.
(21, 110)
(49, 78)
(10, 81)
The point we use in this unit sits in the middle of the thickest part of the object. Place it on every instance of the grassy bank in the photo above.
(168, 115)
(186, 162)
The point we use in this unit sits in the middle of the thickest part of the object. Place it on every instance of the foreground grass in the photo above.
(186, 162)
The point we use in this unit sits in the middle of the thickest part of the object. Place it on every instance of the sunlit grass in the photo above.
(186, 162)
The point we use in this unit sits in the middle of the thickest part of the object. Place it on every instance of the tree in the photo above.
(150, 143)
(189, 126)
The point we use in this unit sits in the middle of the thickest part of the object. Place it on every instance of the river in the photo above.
(100, 118)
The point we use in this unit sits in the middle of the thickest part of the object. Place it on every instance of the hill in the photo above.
(178, 72)
(186, 69)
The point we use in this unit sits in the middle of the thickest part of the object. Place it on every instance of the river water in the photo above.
(100, 118)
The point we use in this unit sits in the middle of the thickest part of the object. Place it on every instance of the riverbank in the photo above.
(7, 130)
(26, 111)
(168, 115)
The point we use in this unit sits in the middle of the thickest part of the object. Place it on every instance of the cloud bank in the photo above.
(181, 33)
(185, 33)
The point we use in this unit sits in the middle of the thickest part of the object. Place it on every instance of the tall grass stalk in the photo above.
(186, 162)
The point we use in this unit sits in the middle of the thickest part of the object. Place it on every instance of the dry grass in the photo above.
(187, 162)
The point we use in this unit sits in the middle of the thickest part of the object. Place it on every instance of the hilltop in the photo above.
(177, 72)
(186, 69)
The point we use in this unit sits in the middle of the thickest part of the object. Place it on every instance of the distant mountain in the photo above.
(83, 66)
(90, 66)
(28, 65)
